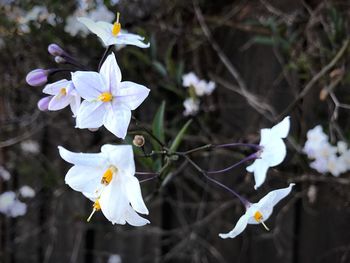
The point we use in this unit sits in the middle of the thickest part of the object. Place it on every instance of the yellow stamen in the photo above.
(63, 91)
(105, 97)
(108, 175)
(96, 206)
(116, 26)
(259, 218)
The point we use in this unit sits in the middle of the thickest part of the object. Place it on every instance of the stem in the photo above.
(248, 158)
(155, 175)
(104, 56)
(57, 70)
(244, 201)
(254, 146)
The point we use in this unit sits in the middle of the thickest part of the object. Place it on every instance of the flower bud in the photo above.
(60, 60)
(37, 77)
(43, 104)
(139, 141)
(55, 50)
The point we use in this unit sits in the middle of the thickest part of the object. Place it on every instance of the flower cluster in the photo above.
(326, 157)
(196, 88)
(100, 98)
(11, 206)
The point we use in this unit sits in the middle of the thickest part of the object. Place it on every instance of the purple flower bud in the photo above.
(43, 104)
(55, 50)
(37, 77)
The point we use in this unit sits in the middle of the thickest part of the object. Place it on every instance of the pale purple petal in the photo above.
(111, 71)
(89, 84)
(117, 119)
(91, 114)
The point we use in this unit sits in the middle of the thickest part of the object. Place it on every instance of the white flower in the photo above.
(191, 106)
(108, 101)
(189, 79)
(4, 174)
(11, 206)
(114, 259)
(342, 147)
(258, 213)
(64, 94)
(107, 178)
(320, 165)
(315, 138)
(336, 165)
(26, 191)
(30, 146)
(111, 34)
(273, 150)
(73, 27)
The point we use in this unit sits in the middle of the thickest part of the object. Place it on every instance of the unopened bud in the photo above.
(37, 77)
(43, 104)
(60, 60)
(55, 50)
(139, 140)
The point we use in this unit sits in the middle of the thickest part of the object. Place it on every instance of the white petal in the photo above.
(111, 71)
(133, 192)
(117, 119)
(131, 94)
(272, 198)
(89, 84)
(75, 104)
(122, 157)
(113, 202)
(83, 159)
(102, 29)
(134, 219)
(91, 114)
(259, 167)
(55, 88)
(59, 102)
(85, 179)
(274, 152)
(128, 39)
(281, 129)
(240, 226)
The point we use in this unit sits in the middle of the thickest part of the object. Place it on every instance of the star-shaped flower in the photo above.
(62, 94)
(258, 213)
(273, 150)
(108, 101)
(107, 178)
(111, 34)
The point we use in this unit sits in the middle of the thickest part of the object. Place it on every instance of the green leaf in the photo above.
(179, 136)
(160, 68)
(158, 126)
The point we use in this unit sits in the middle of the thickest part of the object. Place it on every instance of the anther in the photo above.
(96, 206)
(116, 26)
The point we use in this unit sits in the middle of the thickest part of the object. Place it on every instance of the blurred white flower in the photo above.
(30, 146)
(320, 165)
(336, 165)
(342, 147)
(273, 150)
(114, 259)
(315, 138)
(26, 191)
(258, 213)
(4, 174)
(189, 79)
(11, 206)
(191, 106)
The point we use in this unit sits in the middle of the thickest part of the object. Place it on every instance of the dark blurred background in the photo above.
(263, 56)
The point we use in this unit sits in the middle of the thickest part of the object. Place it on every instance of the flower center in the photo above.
(63, 91)
(108, 175)
(116, 26)
(259, 218)
(105, 97)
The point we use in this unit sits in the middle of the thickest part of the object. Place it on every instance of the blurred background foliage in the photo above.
(267, 58)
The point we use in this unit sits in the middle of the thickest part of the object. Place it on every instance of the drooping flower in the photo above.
(107, 178)
(258, 213)
(111, 34)
(273, 150)
(191, 106)
(62, 94)
(108, 100)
